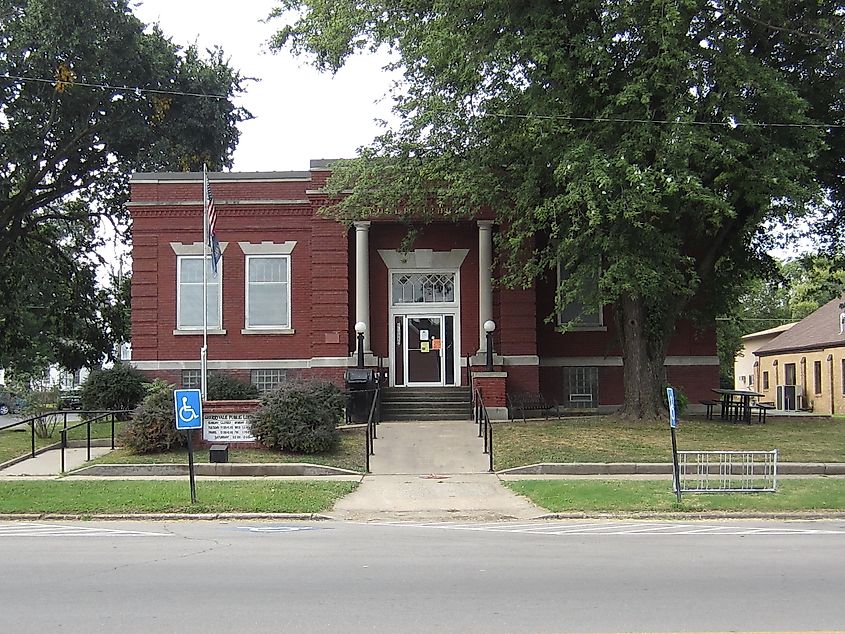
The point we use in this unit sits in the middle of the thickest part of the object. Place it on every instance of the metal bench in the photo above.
(761, 409)
(527, 401)
(709, 404)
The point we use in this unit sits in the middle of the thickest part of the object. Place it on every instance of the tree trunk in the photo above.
(643, 356)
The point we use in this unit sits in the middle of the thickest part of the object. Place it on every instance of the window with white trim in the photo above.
(189, 293)
(268, 291)
(576, 313)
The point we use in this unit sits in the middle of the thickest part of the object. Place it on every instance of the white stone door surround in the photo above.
(424, 261)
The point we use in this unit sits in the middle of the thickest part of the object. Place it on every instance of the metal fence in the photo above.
(734, 471)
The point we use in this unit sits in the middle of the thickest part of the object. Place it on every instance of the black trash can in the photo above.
(360, 386)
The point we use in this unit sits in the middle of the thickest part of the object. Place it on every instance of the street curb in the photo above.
(164, 517)
(656, 468)
(704, 515)
(220, 469)
(153, 517)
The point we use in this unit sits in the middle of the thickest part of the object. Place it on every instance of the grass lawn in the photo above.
(562, 496)
(348, 455)
(603, 439)
(124, 496)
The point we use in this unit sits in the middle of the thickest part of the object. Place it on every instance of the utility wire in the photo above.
(135, 89)
(502, 115)
(726, 124)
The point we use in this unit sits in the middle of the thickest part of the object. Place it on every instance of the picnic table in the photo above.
(736, 404)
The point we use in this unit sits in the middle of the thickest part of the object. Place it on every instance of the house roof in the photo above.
(770, 331)
(818, 330)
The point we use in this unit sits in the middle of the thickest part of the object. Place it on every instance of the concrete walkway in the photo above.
(50, 462)
(431, 471)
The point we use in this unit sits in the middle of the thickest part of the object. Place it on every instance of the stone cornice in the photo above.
(218, 203)
(239, 212)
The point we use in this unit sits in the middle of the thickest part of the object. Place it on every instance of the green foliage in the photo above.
(626, 133)
(223, 387)
(117, 388)
(681, 400)
(68, 150)
(300, 417)
(153, 428)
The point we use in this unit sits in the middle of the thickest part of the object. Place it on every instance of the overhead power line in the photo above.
(502, 115)
(133, 89)
(723, 124)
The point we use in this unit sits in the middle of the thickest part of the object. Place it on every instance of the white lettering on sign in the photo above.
(225, 427)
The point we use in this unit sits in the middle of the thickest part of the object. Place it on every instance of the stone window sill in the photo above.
(268, 331)
(210, 331)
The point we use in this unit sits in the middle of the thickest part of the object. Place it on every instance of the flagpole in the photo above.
(204, 349)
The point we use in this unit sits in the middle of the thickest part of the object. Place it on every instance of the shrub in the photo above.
(222, 387)
(301, 417)
(119, 387)
(153, 428)
(681, 400)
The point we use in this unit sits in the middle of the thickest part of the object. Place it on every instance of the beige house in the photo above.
(745, 377)
(804, 367)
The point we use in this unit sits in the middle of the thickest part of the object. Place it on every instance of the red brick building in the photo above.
(292, 284)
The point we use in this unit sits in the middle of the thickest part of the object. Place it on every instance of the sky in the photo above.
(300, 113)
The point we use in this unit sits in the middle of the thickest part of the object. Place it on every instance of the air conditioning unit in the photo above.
(787, 397)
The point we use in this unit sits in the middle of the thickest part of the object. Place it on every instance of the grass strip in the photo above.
(605, 439)
(135, 496)
(562, 496)
(349, 454)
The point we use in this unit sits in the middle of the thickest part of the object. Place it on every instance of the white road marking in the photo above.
(275, 529)
(28, 529)
(621, 528)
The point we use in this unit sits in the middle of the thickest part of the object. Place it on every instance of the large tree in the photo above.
(89, 94)
(650, 139)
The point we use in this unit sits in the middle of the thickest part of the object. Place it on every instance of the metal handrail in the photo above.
(372, 421)
(102, 415)
(485, 427)
(469, 378)
(98, 416)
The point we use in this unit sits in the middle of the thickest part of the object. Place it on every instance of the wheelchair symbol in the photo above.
(186, 412)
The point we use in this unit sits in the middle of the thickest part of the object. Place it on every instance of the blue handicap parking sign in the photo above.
(188, 404)
(673, 419)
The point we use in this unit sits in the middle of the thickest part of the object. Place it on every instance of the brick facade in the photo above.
(283, 207)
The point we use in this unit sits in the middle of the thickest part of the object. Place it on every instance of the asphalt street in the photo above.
(562, 576)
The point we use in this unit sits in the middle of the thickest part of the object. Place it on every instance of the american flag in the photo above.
(211, 214)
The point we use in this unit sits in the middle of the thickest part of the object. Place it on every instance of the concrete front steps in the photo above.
(415, 403)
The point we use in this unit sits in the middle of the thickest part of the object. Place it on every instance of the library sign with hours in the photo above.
(225, 427)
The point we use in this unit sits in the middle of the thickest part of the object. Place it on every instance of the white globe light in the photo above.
(489, 325)
(360, 327)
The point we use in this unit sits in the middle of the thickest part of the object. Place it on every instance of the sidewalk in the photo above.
(431, 471)
(49, 463)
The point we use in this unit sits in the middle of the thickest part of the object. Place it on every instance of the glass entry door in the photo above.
(424, 350)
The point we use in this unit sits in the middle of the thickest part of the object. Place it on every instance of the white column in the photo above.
(485, 280)
(362, 277)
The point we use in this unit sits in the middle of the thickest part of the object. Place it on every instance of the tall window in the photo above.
(817, 376)
(765, 380)
(579, 314)
(843, 376)
(268, 291)
(189, 293)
